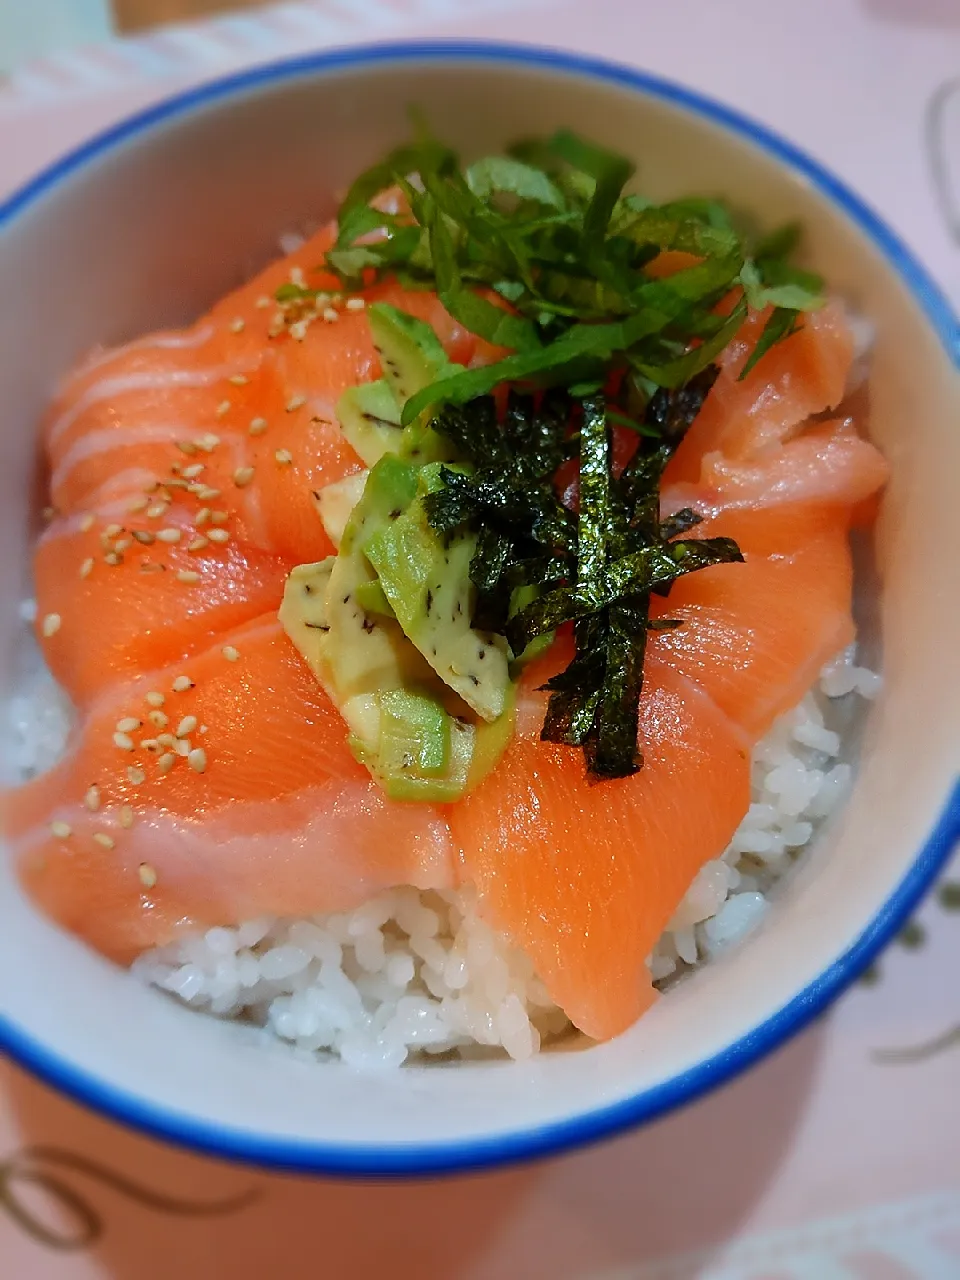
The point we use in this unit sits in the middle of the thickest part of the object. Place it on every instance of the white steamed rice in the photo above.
(419, 973)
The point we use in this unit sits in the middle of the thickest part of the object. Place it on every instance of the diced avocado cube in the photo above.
(414, 734)
(371, 599)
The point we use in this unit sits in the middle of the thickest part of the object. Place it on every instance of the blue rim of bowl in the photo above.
(412, 1160)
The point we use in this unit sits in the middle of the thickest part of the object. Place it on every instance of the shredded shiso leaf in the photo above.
(543, 252)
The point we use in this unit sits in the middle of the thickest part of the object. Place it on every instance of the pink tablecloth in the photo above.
(829, 1162)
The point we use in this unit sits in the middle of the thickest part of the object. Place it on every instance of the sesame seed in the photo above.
(208, 441)
(298, 330)
(51, 624)
(138, 504)
(182, 684)
(219, 517)
(166, 740)
(121, 545)
(223, 408)
(219, 535)
(62, 830)
(356, 304)
(238, 325)
(284, 457)
(183, 747)
(230, 653)
(197, 759)
(87, 567)
(123, 741)
(112, 531)
(238, 379)
(129, 724)
(126, 816)
(186, 726)
(112, 557)
(158, 718)
(191, 472)
(202, 516)
(166, 762)
(103, 840)
(187, 447)
(298, 278)
(155, 698)
(329, 314)
(296, 402)
(156, 511)
(262, 302)
(149, 566)
(144, 537)
(136, 775)
(242, 477)
(148, 876)
(204, 729)
(170, 534)
(86, 523)
(197, 544)
(188, 575)
(206, 494)
(92, 798)
(151, 745)
(258, 426)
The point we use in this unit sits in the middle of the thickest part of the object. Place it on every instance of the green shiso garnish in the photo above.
(542, 251)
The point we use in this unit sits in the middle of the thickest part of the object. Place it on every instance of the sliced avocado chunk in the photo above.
(303, 612)
(410, 352)
(427, 581)
(336, 501)
(369, 418)
(414, 733)
(371, 599)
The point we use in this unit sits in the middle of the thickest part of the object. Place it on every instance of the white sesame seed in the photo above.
(188, 575)
(238, 324)
(87, 567)
(262, 302)
(191, 472)
(238, 379)
(204, 729)
(155, 698)
(298, 278)
(258, 426)
(112, 557)
(219, 517)
(103, 840)
(206, 494)
(158, 718)
(202, 516)
(298, 330)
(296, 402)
(121, 545)
(123, 741)
(329, 314)
(223, 408)
(166, 762)
(170, 534)
(242, 477)
(129, 724)
(148, 876)
(144, 537)
(62, 830)
(150, 566)
(182, 684)
(138, 504)
(197, 759)
(197, 544)
(136, 775)
(51, 624)
(92, 798)
(230, 653)
(187, 446)
(126, 816)
(284, 457)
(112, 531)
(356, 304)
(86, 523)
(186, 726)
(183, 747)
(208, 441)
(166, 740)
(156, 511)
(219, 535)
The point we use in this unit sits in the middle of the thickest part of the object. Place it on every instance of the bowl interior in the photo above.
(148, 230)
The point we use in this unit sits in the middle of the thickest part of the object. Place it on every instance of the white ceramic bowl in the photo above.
(145, 226)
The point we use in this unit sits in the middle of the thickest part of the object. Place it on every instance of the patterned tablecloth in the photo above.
(837, 1159)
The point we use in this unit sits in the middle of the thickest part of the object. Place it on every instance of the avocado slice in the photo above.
(335, 502)
(369, 418)
(427, 582)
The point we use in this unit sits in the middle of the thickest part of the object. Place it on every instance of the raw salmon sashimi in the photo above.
(211, 792)
(210, 780)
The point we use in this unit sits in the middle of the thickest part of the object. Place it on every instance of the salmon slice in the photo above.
(121, 613)
(805, 374)
(585, 878)
(282, 819)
